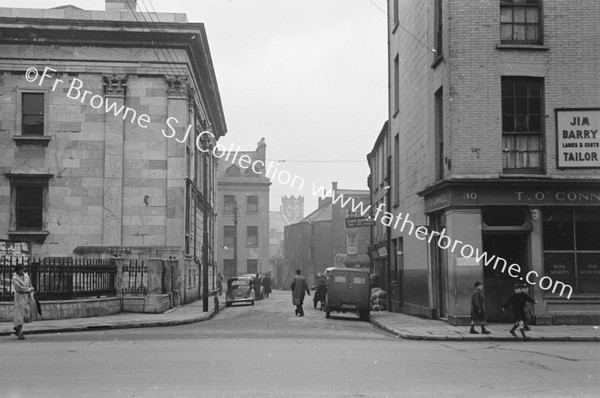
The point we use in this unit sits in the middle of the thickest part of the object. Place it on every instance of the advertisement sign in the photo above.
(578, 138)
(354, 222)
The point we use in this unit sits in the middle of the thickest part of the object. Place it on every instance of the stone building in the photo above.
(494, 141)
(100, 122)
(243, 212)
(322, 239)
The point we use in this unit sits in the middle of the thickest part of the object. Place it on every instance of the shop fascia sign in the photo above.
(578, 138)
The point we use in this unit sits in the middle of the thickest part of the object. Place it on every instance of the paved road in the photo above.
(265, 351)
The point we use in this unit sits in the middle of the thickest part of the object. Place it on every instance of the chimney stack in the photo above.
(120, 5)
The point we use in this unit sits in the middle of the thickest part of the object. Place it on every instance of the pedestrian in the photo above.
(320, 292)
(529, 316)
(23, 312)
(220, 283)
(257, 287)
(518, 300)
(478, 316)
(299, 287)
(266, 282)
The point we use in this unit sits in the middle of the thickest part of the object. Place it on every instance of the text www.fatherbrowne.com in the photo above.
(444, 241)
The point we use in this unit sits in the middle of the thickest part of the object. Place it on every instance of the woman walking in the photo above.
(22, 311)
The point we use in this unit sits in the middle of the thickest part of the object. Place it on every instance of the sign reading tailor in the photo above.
(578, 132)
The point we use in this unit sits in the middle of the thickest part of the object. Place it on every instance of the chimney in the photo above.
(120, 5)
(334, 186)
(261, 150)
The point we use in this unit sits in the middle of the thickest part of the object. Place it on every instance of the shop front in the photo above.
(550, 228)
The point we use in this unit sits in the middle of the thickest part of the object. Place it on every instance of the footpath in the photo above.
(401, 325)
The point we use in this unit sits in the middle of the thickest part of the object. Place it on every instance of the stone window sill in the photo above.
(36, 236)
(41, 140)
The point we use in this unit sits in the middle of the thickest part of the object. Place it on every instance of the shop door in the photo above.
(499, 286)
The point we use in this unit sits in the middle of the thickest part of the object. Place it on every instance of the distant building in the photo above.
(321, 239)
(243, 213)
(85, 169)
(290, 212)
(493, 140)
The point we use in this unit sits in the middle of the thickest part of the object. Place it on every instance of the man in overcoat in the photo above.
(22, 290)
(299, 287)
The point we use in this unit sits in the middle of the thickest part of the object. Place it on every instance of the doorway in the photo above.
(498, 285)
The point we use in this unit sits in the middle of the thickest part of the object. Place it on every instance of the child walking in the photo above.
(518, 301)
(478, 316)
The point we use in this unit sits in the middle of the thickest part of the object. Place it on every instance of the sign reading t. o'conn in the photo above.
(578, 138)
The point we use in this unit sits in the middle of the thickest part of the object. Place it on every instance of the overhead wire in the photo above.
(402, 27)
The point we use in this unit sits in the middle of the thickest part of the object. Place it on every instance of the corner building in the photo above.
(77, 178)
(494, 137)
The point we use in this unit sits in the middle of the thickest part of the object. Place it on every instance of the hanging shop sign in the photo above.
(578, 138)
(354, 222)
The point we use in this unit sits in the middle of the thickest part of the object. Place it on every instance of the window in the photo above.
(251, 204)
(522, 138)
(520, 21)
(438, 27)
(229, 236)
(29, 208)
(229, 270)
(439, 134)
(252, 236)
(571, 250)
(33, 114)
(352, 244)
(351, 213)
(228, 203)
(252, 266)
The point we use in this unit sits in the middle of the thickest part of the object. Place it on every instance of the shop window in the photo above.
(252, 236)
(520, 21)
(522, 124)
(252, 204)
(572, 248)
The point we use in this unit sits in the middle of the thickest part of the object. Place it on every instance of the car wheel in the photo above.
(252, 302)
(227, 304)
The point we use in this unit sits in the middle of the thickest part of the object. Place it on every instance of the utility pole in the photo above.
(205, 233)
(235, 239)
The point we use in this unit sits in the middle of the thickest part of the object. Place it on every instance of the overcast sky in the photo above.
(308, 75)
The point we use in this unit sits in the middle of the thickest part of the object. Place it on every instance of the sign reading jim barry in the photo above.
(578, 138)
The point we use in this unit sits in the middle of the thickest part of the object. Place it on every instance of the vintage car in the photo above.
(239, 290)
(348, 290)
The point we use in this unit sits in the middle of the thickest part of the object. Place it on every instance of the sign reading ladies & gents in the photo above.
(578, 133)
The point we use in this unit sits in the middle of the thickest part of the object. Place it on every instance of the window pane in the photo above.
(520, 88)
(506, 15)
(229, 202)
(521, 105)
(534, 105)
(588, 273)
(587, 230)
(535, 123)
(560, 267)
(519, 14)
(519, 32)
(521, 123)
(508, 123)
(532, 14)
(558, 231)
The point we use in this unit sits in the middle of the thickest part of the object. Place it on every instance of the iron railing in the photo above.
(62, 278)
